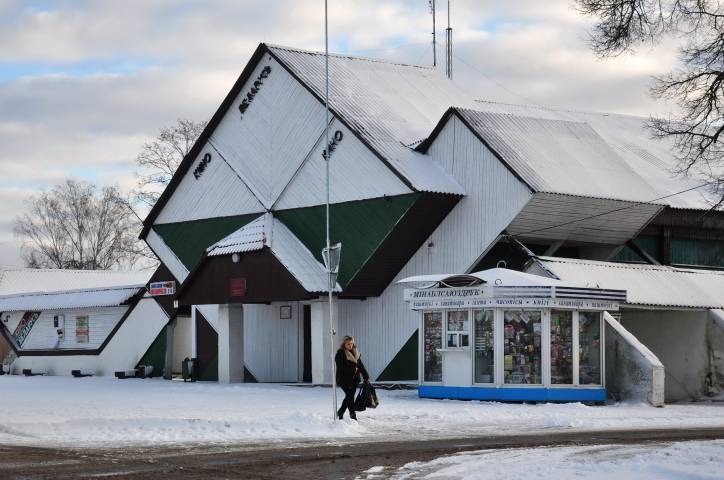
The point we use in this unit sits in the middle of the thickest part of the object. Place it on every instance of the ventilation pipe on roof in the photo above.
(448, 44)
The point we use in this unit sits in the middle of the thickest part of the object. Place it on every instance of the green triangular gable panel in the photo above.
(189, 240)
(248, 376)
(211, 372)
(404, 365)
(156, 354)
(361, 226)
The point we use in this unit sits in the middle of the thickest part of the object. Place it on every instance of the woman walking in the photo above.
(349, 367)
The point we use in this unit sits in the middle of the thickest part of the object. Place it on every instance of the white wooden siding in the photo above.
(100, 323)
(134, 338)
(166, 255)
(355, 174)
(218, 192)
(275, 135)
(271, 345)
(494, 197)
(123, 351)
(13, 321)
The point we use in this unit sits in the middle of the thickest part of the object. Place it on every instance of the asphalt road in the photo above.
(297, 461)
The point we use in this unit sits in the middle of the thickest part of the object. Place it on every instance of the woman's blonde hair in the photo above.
(346, 339)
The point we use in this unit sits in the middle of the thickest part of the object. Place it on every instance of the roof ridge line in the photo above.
(558, 109)
(350, 57)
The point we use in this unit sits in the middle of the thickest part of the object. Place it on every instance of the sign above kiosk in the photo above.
(505, 288)
(476, 297)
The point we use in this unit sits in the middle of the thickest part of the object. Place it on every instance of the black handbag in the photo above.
(360, 403)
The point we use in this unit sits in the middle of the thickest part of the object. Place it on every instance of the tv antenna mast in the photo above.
(434, 43)
(448, 45)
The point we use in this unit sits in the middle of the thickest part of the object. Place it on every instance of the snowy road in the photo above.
(693, 460)
(105, 412)
(440, 458)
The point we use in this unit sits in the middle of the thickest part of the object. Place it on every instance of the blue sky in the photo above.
(84, 83)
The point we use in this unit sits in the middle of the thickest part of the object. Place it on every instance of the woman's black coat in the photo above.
(348, 372)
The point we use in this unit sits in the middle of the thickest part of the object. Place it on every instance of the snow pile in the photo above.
(104, 411)
(682, 460)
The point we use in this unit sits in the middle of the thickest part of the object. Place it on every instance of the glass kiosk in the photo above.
(506, 335)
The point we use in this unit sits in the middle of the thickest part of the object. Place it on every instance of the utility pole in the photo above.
(448, 38)
(434, 43)
(331, 280)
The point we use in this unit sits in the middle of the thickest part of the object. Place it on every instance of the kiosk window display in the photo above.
(432, 345)
(562, 347)
(484, 346)
(507, 335)
(522, 347)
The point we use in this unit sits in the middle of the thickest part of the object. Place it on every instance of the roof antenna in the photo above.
(434, 44)
(448, 38)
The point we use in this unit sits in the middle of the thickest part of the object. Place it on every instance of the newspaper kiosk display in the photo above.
(506, 335)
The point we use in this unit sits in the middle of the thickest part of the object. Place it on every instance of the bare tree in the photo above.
(76, 225)
(160, 158)
(696, 87)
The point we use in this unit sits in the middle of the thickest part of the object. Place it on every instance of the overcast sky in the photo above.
(83, 84)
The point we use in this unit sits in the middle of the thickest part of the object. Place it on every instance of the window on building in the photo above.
(589, 348)
(458, 329)
(81, 329)
(484, 346)
(432, 361)
(561, 347)
(522, 342)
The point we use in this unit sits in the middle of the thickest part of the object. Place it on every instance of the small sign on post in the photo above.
(331, 258)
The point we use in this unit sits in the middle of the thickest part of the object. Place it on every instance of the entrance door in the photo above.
(307, 347)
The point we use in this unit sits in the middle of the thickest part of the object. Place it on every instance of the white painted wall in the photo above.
(182, 342)
(633, 372)
(13, 320)
(100, 323)
(275, 135)
(217, 192)
(382, 325)
(271, 344)
(355, 174)
(123, 352)
(166, 255)
(678, 339)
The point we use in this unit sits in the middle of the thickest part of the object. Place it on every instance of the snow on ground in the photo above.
(102, 411)
(683, 460)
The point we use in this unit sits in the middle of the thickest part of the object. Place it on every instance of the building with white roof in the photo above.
(425, 179)
(98, 322)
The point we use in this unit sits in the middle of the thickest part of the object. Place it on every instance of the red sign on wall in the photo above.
(237, 287)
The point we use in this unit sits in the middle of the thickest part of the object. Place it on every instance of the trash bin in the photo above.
(188, 369)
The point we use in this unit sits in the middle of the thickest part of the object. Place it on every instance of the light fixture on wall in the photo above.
(235, 258)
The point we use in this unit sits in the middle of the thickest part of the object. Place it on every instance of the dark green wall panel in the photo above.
(189, 240)
(361, 227)
(404, 366)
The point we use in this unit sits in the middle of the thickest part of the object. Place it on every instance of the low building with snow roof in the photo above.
(98, 322)
(425, 179)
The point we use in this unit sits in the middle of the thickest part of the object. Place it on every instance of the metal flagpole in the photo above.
(330, 280)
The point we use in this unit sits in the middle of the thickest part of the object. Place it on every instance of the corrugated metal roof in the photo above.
(647, 285)
(28, 280)
(389, 105)
(284, 245)
(103, 297)
(599, 154)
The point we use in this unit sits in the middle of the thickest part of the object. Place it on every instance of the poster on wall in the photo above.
(81, 329)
